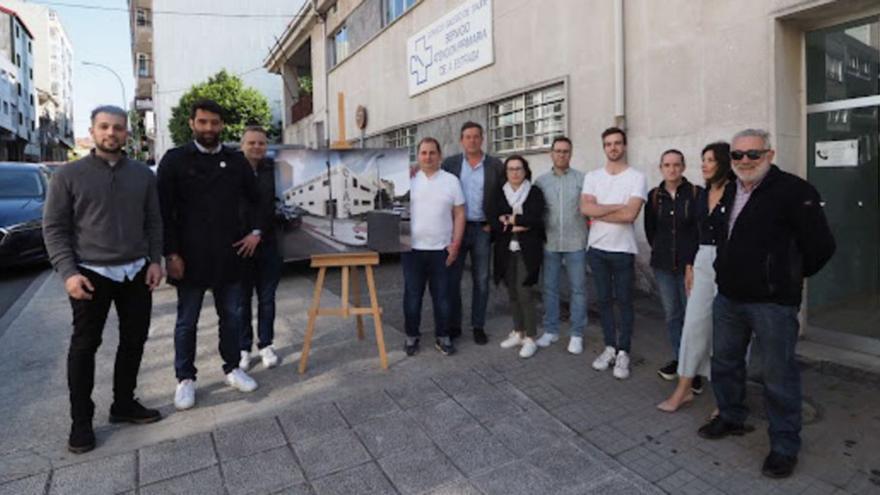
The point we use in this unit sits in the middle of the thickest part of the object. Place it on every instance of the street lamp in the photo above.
(121, 85)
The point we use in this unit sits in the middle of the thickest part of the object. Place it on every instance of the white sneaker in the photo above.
(245, 361)
(512, 340)
(270, 359)
(546, 339)
(621, 366)
(240, 380)
(529, 348)
(185, 395)
(576, 345)
(604, 360)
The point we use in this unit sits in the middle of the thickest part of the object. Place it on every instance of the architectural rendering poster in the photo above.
(332, 201)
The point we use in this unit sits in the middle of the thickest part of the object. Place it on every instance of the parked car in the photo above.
(288, 217)
(22, 195)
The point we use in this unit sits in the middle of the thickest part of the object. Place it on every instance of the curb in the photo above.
(18, 306)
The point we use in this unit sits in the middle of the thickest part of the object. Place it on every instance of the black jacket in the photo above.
(780, 237)
(493, 170)
(266, 210)
(202, 199)
(671, 226)
(531, 241)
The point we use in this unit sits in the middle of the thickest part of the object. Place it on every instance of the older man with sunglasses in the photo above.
(776, 234)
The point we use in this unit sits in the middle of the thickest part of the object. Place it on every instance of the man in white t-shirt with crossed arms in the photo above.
(613, 197)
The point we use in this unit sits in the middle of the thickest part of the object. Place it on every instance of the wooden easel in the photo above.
(349, 263)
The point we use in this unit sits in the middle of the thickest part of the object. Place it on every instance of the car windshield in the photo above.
(20, 184)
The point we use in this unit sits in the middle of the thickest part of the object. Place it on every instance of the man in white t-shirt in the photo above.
(613, 197)
(437, 221)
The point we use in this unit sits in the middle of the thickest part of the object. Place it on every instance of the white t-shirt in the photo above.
(431, 202)
(610, 190)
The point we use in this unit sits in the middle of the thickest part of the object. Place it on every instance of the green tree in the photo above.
(244, 106)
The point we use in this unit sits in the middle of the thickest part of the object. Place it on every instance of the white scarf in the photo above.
(516, 199)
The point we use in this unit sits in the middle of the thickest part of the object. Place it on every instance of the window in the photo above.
(395, 8)
(17, 32)
(20, 118)
(18, 60)
(339, 48)
(365, 189)
(527, 121)
(326, 182)
(143, 65)
(6, 107)
(405, 137)
(30, 48)
(19, 88)
(31, 74)
(354, 182)
(142, 17)
(32, 100)
(311, 188)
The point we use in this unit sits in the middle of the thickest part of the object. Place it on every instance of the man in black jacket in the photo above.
(203, 186)
(776, 235)
(481, 177)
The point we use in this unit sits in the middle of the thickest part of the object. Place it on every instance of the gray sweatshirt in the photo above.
(101, 215)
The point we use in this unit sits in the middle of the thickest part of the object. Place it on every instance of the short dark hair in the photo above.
(522, 160)
(111, 110)
(255, 128)
(429, 139)
(721, 151)
(561, 139)
(470, 125)
(674, 152)
(206, 105)
(613, 130)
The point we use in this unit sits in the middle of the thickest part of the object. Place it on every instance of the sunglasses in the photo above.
(752, 154)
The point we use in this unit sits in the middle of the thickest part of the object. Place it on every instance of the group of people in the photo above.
(729, 258)
(108, 222)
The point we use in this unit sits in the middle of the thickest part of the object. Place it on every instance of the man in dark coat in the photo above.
(203, 188)
(481, 177)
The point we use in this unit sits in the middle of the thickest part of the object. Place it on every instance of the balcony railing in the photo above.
(301, 109)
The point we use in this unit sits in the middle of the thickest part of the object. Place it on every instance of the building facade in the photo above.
(19, 141)
(677, 74)
(144, 126)
(53, 78)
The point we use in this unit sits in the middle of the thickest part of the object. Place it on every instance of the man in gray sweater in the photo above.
(103, 231)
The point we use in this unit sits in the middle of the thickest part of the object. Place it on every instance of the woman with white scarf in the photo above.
(517, 221)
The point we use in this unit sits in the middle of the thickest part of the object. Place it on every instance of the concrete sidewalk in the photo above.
(482, 421)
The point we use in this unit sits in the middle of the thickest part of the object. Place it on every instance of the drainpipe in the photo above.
(619, 60)
(323, 18)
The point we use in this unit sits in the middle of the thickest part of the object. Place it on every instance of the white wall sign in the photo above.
(458, 43)
(837, 153)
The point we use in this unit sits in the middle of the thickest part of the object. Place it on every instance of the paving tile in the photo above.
(309, 420)
(489, 405)
(474, 450)
(416, 393)
(366, 479)
(109, 475)
(417, 471)
(17, 465)
(647, 463)
(441, 418)
(176, 457)
(517, 478)
(458, 382)
(392, 433)
(32, 485)
(456, 488)
(297, 489)
(523, 434)
(207, 481)
(262, 472)
(364, 407)
(619, 485)
(249, 437)
(610, 440)
(329, 453)
(568, 465)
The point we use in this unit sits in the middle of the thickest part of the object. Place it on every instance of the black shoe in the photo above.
(82, 437)
(445, 349)
(411, 349)
(697, 385)
(454, 332)
(778, 465)
(133, 412)
(717, 428)
(480, 337)
(669, 372)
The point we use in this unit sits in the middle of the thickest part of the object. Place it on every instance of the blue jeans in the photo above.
(478, 244)
(775, 329)
(576, 270)
(613, 274)
(674, 299)
(422, 268)
(264, 273)
(227, 301)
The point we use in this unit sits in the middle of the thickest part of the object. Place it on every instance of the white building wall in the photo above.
(188, 50)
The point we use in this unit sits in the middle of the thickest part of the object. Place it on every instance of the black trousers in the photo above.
(134, 302)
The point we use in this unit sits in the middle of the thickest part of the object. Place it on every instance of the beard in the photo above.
(105, 148)
(614, 155)
(752, 175)
(207, 139)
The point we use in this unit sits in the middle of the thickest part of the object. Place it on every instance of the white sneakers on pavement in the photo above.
(529, 348)
(185, 395)
(621, 365)
(245, 361)
(270, 359)
(240, 381)
(546, 339)
(576, 345)
(512, 340)
(605, 359)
